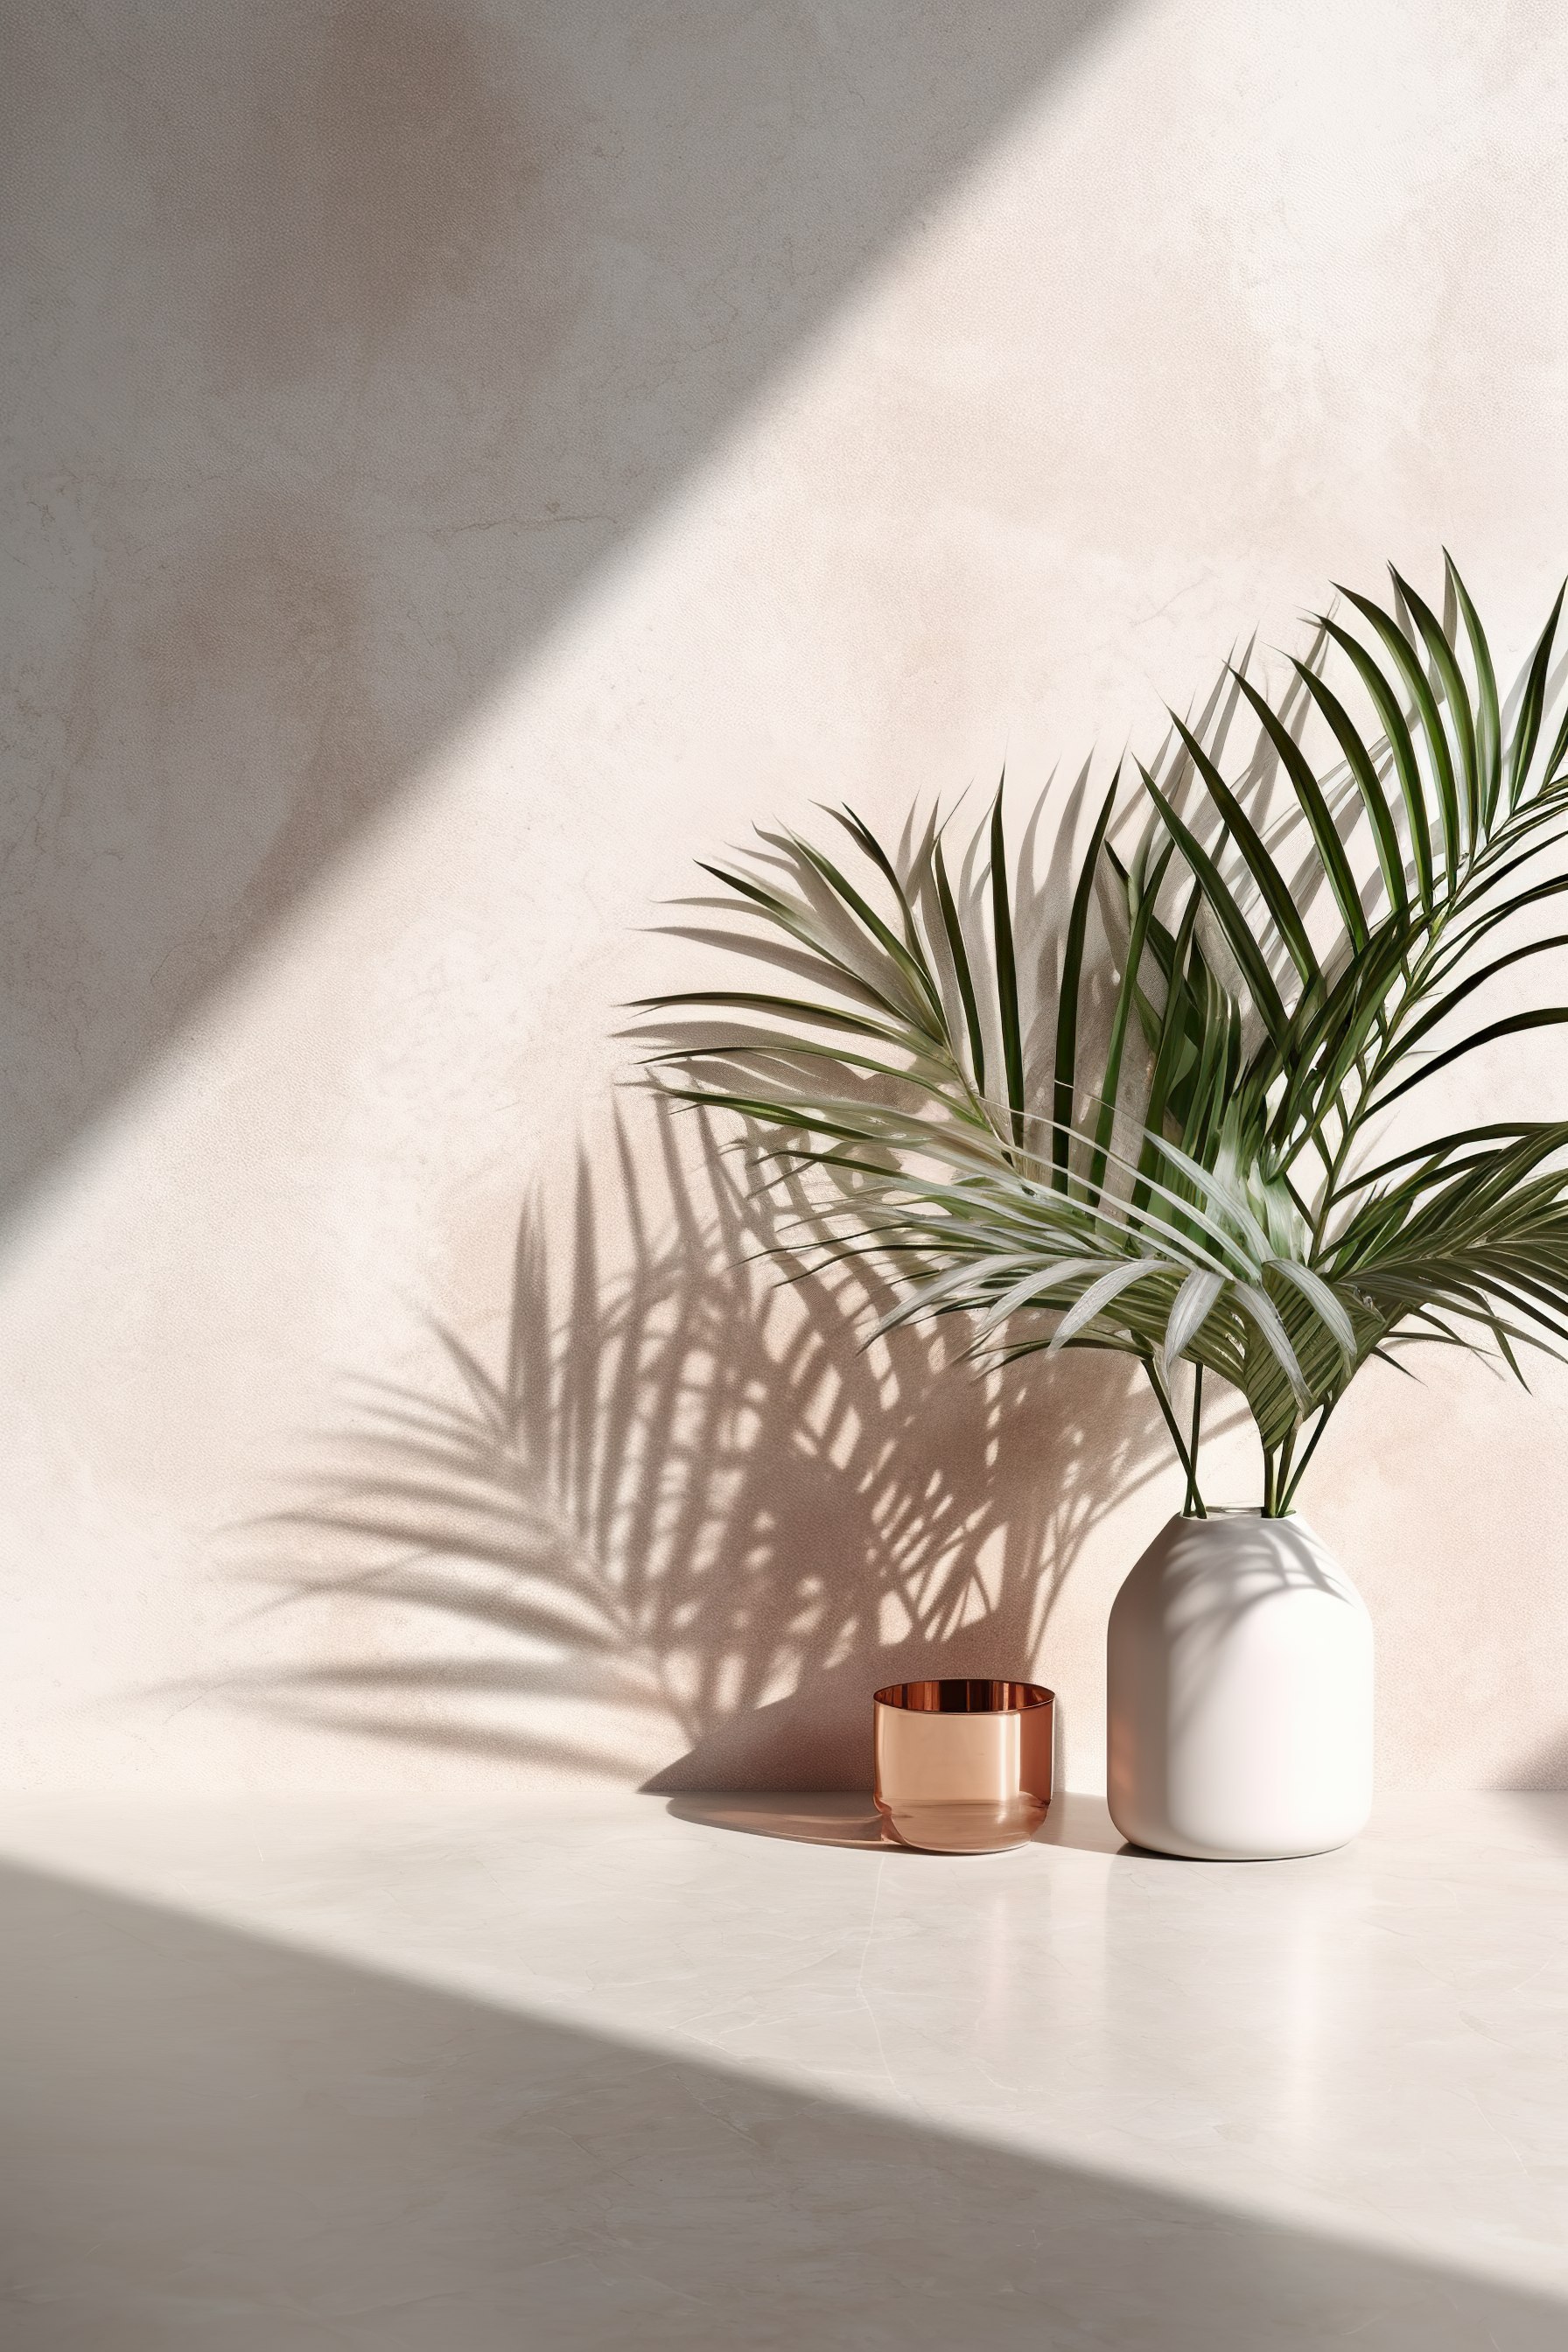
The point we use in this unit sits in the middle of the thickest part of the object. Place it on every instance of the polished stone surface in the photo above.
(729, 2073)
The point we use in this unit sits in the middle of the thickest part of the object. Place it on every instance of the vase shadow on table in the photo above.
(690, 1522)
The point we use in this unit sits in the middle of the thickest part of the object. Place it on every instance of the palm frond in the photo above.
(1191, 1175)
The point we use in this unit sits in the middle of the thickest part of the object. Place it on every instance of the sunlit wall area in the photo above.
(474, 459)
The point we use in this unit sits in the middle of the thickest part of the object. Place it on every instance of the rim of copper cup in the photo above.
(933, 1698)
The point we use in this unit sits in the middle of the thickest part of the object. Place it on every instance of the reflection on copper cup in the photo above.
(964, 1767)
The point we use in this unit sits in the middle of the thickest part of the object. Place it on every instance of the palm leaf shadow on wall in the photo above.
(690, 1510)
(692, 1502)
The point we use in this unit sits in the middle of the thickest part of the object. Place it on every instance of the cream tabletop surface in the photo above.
(712, 2072)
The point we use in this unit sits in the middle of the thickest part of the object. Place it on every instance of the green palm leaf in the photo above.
(1221, 1205)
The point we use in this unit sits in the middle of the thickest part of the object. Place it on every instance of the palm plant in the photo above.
(1164, 1126)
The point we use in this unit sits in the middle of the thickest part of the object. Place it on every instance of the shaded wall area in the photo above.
(343, 343)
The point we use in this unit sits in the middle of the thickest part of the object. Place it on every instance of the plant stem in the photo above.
(1192, 1508)
(1181, 1455)
(1268, 1483)
(1312, 1449)
(1282, 1477)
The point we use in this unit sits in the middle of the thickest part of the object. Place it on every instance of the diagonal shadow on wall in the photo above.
(691, 1514)
(343, 343)
(214, 2140)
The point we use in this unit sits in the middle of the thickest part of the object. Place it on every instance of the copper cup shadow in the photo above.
(964, 1767)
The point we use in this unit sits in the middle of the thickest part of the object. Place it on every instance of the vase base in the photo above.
(1173, 1848)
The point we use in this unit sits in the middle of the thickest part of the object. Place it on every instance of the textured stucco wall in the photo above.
(472, 458)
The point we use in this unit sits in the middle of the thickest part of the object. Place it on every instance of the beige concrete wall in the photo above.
(473, 458)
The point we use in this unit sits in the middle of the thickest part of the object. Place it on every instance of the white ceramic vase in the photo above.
(1239, 1694)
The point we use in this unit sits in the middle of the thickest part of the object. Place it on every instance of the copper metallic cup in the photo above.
(964, 1767)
